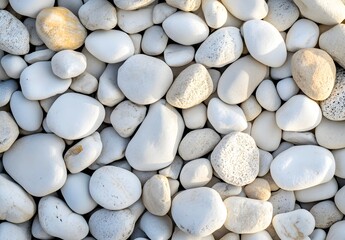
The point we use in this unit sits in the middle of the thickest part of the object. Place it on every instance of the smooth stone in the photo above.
(339, 199)
(48, 102)
(173, 170)
(76, 193)
(132, 4)
(246, 216)
(136, 39)
(13, 65)
(72, 6)
(98, 15)
(35, 162)
(314, 72)
(295, 224)
(222, 47)
(30, 24)
(126, 117)
(263, 235)
(299, 113)
(245, 11)
(231, 236)
(318, 234)
(306, 165)
(225, 118)
(113, 146)
(156, 227)
(203, 205)
(325, 214)
(251, 108)
(317, 193)
(83, 153)
(198, 143)
(226, 190)
(282, 14)
(134, 21)
(108, 92)
(195, 117)
(39, 55)
(84, 83)
(284, 71)
(187, 6)
(282, 201)
(72, 108)
(17, 206)
(299, 138)
(144, 79)
(15, 37)
(9, 131)
(39, 82)
(287, 88)
(265, 125)
(246, 71)
(333, 106)
(94, 66)
(156, 195)
(329, 134)
(37, 231)
(110, 46)
(282, 147)
(162, 126)
(191, 87)
(28, 114)
(185, 28)
(303, 34)
(336, 231)
(339, 156)
(107, 186)
(161, 11)
(154, 41)
(258, 189)
(196, 173)
(268, 47)
(7, 88)
(68, 64)
(105, 224)
(236, 159)
(330, 41)
(214, 12)
(321, 12)
(59, 221)
(30, 8)
(60, 29)
(267, 96)
(176, 55)
(265, 159)
(15, 231)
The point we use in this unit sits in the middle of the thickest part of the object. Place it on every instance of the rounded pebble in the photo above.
(196, 173)
(245, 11)
(30, 8)
(329, 134)
(195, 117)
(9, 131)
(176, 55)
(325, 214)
(68, 64)
(13, 65)
(282, 14)
(267, 96)
(303, 34)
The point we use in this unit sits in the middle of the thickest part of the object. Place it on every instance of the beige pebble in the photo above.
(258, 189)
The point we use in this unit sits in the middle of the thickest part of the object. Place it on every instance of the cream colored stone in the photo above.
(258, 189)
(330, 134)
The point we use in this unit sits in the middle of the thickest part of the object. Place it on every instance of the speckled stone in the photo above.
(333, 107)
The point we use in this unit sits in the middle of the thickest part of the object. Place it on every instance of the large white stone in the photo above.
(303, 34)
(247, 10)
(319, 192)
(74, 116)
(264, 42)
(301, 167)
(155, 144)
(329, 134)
(135, 21)
(144, 79)
(36, 163)
(30, 8)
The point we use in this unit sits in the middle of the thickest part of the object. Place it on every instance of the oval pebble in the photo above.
(329, 134)
(303, 34)
(7, 88)
(36, 163)
(236, 159)
(336, 231)
(68, 64)
(257, 9)
(204, 206)
(268, 47)
(287, 88)
(154, 41)
(317, 193)
(110, 46)
(176, 55)
(30, 8)
(305, 166)
(135, 21)
(59, 221)
(72, 108)
(195, 117)
(132, 4)
(215, 13)
(161, 11)
(8, 230)
(282, 201)
(282, 14)
(185, 28)
(114, 188)
(13, 65)
(144, 79)
(198, 143)
(267, 96)
(156, 227)
(196, 173)
(339, 156)
(222, 47)
(163, 126)
(326, 214)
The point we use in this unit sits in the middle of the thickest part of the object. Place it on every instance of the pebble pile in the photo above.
(183, 120)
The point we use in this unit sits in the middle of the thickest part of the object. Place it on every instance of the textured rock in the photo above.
(314, 72)
(8, 131)
(60, 29)
(325, 214)
(236, 159)
(282, 14)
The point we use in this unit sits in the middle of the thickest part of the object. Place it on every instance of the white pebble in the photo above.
(336, 231)
(68, 64)
(30, 8)
(303, 34)
(134, 21)
(329, 134)
(9, 131)
(136, 39)
(196, 173)
(265, 162)
(176, 55)
(84, 83)
(282, 201)
(287, 88)
(267, 96)
(284, 71)
(39, 55)
(326, 214)
(245, 10)
(195, 117)
(156, 227)
(215, 13)
(20, 231)
(154, 41)
(161, 11)
(7, 88)
(251, 108)
(13, 65)
(317, 193)
(299, 138)
(282, 14)
(339, 156)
